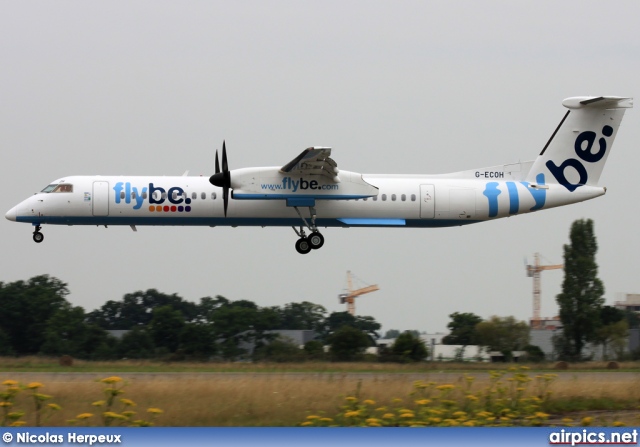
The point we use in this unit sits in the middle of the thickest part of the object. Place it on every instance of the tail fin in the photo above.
(577, 151)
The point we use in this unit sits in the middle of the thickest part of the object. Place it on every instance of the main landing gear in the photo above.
(37, 235)
(312, 242)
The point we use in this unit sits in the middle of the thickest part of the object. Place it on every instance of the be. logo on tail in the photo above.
(583, 145)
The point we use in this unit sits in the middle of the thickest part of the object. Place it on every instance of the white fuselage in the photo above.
(402, 201)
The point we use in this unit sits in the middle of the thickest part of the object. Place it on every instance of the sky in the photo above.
(406, 87)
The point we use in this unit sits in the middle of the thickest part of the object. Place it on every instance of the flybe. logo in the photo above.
(175, 196)
(583, 145)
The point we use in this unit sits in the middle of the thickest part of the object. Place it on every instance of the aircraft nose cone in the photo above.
(11, 214)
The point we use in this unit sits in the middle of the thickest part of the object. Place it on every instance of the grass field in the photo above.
(267, 395)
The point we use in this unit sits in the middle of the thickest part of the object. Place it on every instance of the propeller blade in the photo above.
(225, 166)
(222, 178)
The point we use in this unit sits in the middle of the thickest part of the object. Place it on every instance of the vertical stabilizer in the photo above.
(578, 149)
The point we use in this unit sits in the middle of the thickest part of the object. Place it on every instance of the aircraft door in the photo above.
(100, 204)
(427, 202)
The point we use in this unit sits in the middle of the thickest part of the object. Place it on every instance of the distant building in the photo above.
(631, 302)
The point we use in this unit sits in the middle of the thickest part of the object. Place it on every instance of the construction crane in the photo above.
(350, 296)
(533, 271)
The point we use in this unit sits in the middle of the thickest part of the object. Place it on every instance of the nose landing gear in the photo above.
(37, 235)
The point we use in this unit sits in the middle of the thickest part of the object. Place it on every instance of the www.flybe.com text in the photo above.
(289, 184)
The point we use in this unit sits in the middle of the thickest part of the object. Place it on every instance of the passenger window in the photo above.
(393, 197)
(203, 195)
(156, 195)
(365, 199)
(375, 198)
(413, 197)
(164, 195)
(122, 195)
(174, 195)
(144, 195)
(403, 197)
(194, 195)
(384, 197)
(213, 196)
(133, 195)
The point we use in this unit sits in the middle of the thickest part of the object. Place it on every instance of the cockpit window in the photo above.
(63, 187)
(49, 188)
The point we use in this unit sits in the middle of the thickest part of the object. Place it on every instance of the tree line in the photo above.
(37, 318)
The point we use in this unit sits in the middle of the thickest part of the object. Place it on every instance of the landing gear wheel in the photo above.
(303, 246)
(38, 237)
(316, 240)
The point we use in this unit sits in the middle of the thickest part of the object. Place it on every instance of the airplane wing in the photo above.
(313, 161)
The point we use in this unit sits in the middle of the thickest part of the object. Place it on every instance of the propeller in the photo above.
(222, 179)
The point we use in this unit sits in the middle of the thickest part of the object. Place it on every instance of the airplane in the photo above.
(567, 171)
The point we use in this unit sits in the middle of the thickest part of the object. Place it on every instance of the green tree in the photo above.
(136, 309)
(613, 328)
(136, 344)
(581, 299)
(347, 344)
(25, 308)
(67, 333)
(165, 328)
(197, 341)
(302, 316)
(504, 334)
(279, 350)
(462, 329)
(409, 348)
(337, 320)
(314, 350)
(391, 333)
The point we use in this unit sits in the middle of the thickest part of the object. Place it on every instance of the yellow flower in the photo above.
(587, 421)
(84, 415)
(154, 411)
(18, 424)
(113, 415)
(34, 385)
(423, 401)
(306, 424)
(388, 416)
(98, 403)
(129, 413)
(373, 421)
(352, 414)
(351, 399)
(6, 404)
(112, 379)
(445, 387)
(472, 398)
(619, 424)
(369, 402)
(469, 423)
(128, 402)
(313, 416)
(407, 415)
(326, 420)
(54, 406)
(10, 383)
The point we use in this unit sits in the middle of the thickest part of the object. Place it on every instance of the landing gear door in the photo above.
(427, 202)
(100, 203)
